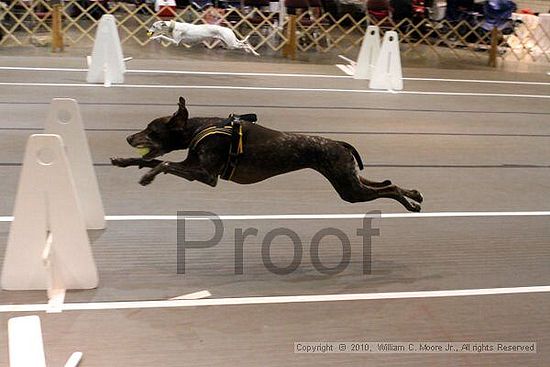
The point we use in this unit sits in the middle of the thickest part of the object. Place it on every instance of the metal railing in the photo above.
(315, 31)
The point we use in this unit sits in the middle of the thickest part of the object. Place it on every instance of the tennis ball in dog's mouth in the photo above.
(149, 34)
(143, 151)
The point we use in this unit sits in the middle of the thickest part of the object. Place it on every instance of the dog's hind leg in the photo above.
(348, 185)
(401, 195)
(232, 42)
(248, 47)
(351, 189)
(387, 184)
(402, 198)
(251, 49)
(369, 183)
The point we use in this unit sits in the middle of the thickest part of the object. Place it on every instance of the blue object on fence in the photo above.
(498, 14)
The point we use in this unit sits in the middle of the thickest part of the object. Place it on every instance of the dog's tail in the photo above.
(354, 152)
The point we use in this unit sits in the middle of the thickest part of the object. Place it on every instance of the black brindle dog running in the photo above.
(241, 151)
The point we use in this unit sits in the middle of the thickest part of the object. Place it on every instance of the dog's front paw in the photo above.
(120, 162)
(414, 207)
(417, 196)
(147, 179)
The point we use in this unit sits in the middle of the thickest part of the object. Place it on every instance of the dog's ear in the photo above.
(181, 114)
(181, 103)
(182, 110)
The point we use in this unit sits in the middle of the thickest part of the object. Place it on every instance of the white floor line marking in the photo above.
(475, 94)
(297, 75)
(480, 81)
(275, 299)
(235, 73)
(227, 87)
(195, 295)
(17, 84)
(116, 218)
(183, 72)
(29, 68)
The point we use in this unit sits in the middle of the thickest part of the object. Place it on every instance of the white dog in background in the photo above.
(177, 32)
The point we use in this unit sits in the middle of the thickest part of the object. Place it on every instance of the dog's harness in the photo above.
(233, 128)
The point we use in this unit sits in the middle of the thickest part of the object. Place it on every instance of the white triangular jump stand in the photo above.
(387, 73)
(64, 119)
(26, 346)
(106, 65)
(368, 55)
(48, 247)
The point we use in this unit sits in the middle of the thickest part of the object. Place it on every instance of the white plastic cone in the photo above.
(107, 62)
(46, 205)
(64, 119)
(368, 55)
(387, 73)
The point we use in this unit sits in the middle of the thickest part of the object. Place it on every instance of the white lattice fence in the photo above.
(21, 19)
(316, 31)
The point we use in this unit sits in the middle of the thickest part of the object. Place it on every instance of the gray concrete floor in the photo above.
(421, 57)
(465, 153)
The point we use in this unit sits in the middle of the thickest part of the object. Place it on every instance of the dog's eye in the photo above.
(154, 135)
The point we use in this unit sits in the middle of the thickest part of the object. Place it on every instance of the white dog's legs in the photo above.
(164, 38)
(232, 42)
(247, 46)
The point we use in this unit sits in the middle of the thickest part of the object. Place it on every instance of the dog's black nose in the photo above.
(129, 139)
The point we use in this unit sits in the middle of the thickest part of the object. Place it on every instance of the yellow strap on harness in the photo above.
(240, 148)
(207, 132)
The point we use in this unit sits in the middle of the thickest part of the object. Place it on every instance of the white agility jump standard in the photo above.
(380, 64)
(64, 119)
(48, 246)
(368, 54)
(387, 73)
(106, 65)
